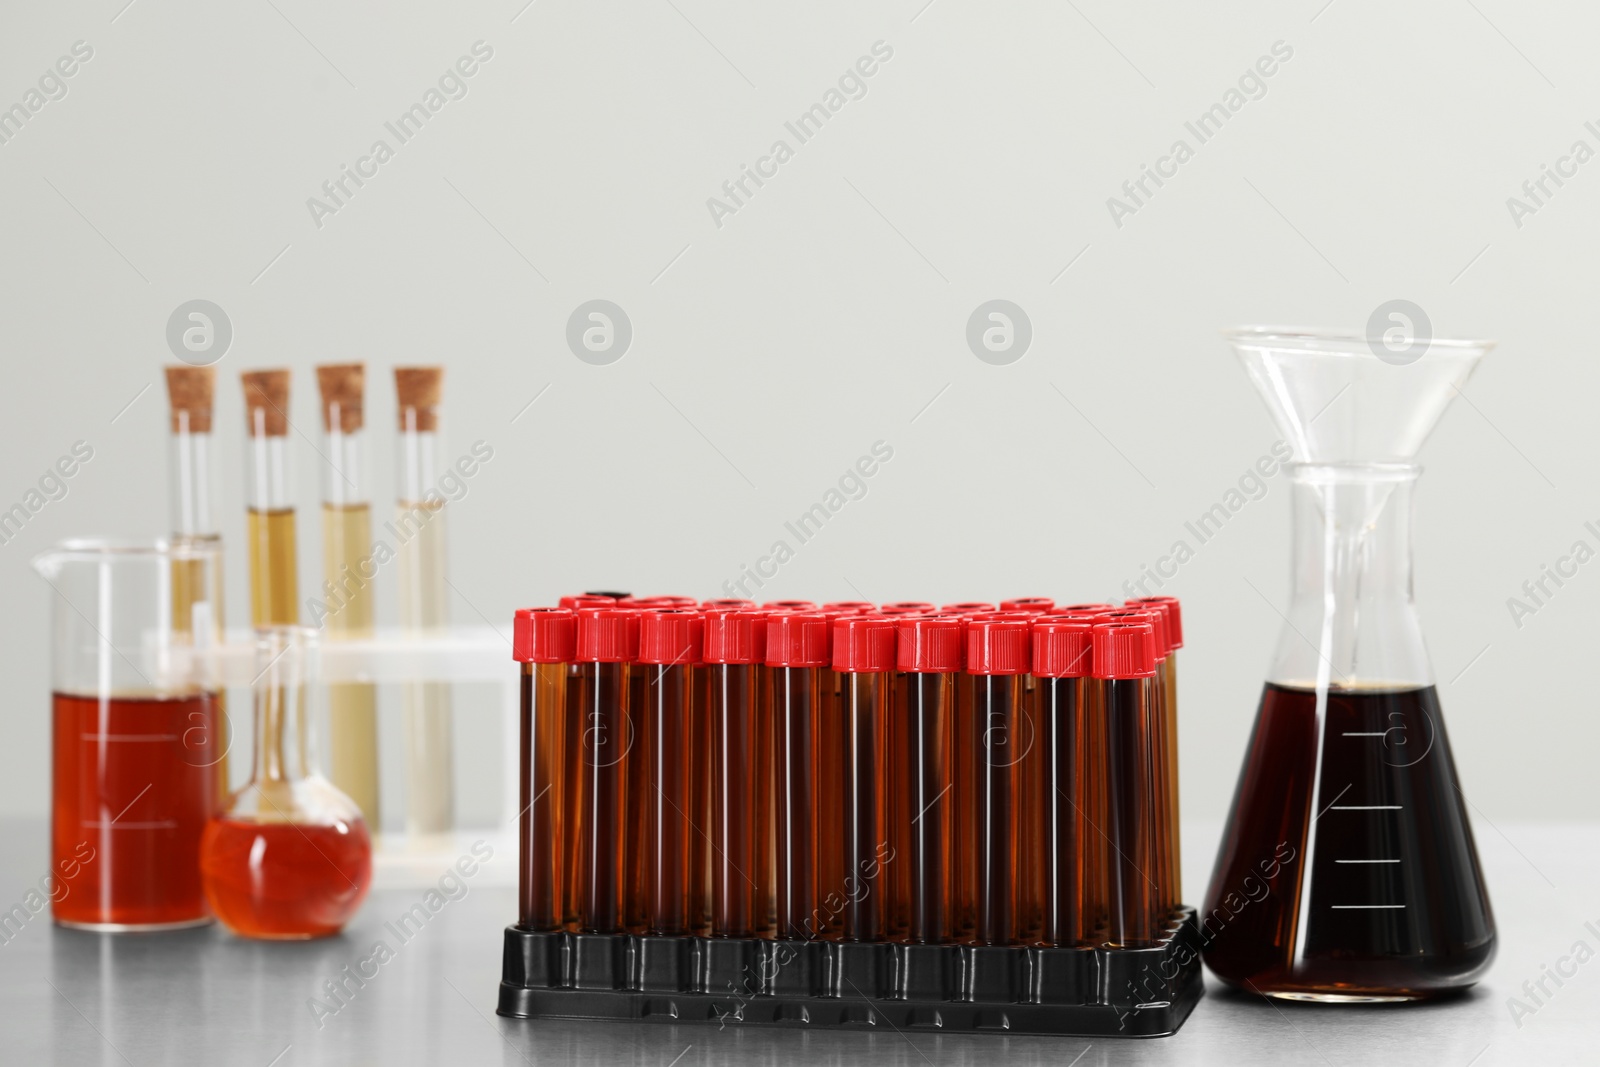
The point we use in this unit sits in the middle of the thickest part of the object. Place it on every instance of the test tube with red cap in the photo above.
(864, 653)
(969, 607)
(789, 605)
(1169, 691)
(806, 805)
(727, 604)
(544, 642)
(738, 899)
(1160, 758)
(1125, 669)
(1033, 605)
(1072, 780)
(669, 647)
(608, 644)
(929, 655)
(996, 738)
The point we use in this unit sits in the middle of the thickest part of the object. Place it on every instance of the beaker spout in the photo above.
(1346, 398)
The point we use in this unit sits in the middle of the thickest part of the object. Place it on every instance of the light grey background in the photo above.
(830, 311)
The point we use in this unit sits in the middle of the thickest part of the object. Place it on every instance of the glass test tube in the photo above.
(545, 642)
(269, 498)
(996, 738)
(598, 743)
(348, 569)
(1072, 747)
(1156, 739)
(922, 836)
(738, 894)
(197, 614)
(864, 654)
(424, 599)
(1124, 669)
(669, 647)
(1169, 690)
(809, 902)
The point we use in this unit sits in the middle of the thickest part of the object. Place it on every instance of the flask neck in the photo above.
(1352, 620)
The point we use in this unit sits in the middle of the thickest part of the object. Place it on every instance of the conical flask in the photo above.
(1347, 871)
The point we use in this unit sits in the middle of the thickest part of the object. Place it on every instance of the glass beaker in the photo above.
(291, 857)
(138, 729)
(1347, 871)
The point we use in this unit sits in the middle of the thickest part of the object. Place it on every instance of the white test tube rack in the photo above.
(476, 654)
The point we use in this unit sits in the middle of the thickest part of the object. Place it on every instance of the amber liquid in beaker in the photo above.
(134, 781)
(1396, 908)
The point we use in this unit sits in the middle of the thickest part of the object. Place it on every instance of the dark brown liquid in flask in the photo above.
(1395, 908)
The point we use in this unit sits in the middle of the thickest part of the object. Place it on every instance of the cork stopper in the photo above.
(189, 390)
(342, 386)
(418, 389)
(267, 392)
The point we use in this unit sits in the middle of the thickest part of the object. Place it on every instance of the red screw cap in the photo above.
(998, 644)
(1124, 650)
(1154, 616)
(665, 602)
(544, 635)
(864, 643)
(1174, 612)
(906, 607)
(671, 637)
(1063, 648)
(728, 603)
(1037, 605)
(733, 636)
(799, 639)
(929, 644)
(607, 635)
(587, 600)
(789, 605)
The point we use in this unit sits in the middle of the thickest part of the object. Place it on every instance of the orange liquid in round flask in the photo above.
(291, 858)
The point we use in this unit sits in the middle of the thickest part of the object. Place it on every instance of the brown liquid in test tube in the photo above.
(600, 742)
(669, 647)
(864, 657)
(921, 874)
(572, 765)
(739, 897)
(1160, 762)
(1169, 690)
(1125, 668)
(809, 894)
(544, 643)
(997, 738)
(1073, 776)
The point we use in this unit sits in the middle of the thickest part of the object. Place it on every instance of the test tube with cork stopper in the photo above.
(348, 568)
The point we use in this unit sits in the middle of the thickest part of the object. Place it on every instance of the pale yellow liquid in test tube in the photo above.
(352, 706)
(430, 787)
(273, 584)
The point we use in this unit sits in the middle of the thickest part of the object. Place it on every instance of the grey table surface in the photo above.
(205, 997)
